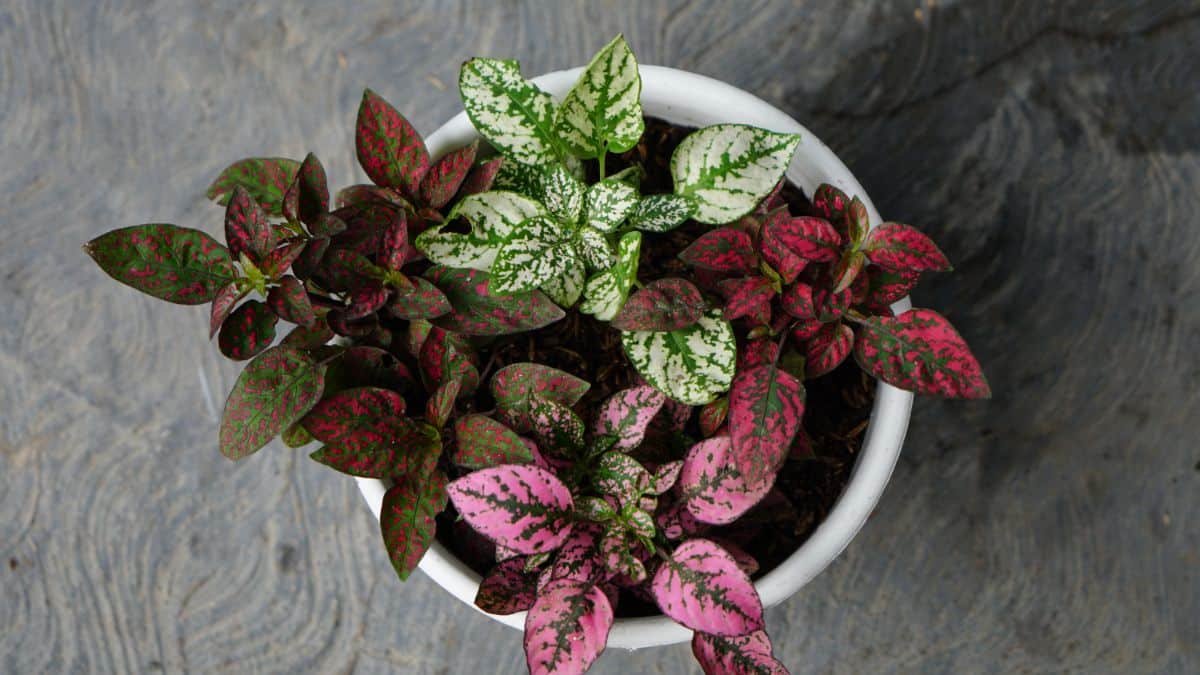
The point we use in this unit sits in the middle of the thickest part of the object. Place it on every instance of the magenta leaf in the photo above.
(483, 442)
(446, 175)
(711, 486)
(831, 204)
(444, 357)
(567, 627)
(712, 416)
(766, 406)
(507, 589)
(787, 264)
(425, 301)
(520, 507)
(265, 178)
(326, 225)
(278, 260)
(556, 426)
(394, 248)
(849, 266)
(831, 305)
(797, 300)
(514, 387)
(666, 304)
(356, 195)
(389, 149)
(676, 521)
(617, 552)
(721, 250)
(407, 518)
(810, 238)
(366, 222)
(401, 447)
(897, 247)
(355, 419)
(742, 655)
(756, 353)
(627, 413)
(290, 302)
(920, 351)
(885, 287)
(747, 297)
(479, 311)
(622, 477)
(307, 198)
(827, 349)
(272, 393)
(246, 227)
(171, 263)
(579, 557)
(440, 405)
(248, 330)
(222, 305)
(666, 476)
(701, 587)
(805, 329)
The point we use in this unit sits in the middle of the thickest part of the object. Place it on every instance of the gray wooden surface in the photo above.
(1050, 146)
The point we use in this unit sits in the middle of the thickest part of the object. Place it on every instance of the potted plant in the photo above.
(578, 353)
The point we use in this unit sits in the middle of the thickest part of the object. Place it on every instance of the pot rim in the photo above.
(690, 99)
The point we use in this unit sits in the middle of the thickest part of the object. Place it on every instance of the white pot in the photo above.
(694, 100)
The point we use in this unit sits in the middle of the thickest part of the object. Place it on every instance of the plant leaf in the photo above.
(265, 178)
(766, 406)
(797, 300)
(920, 351)
(603, 111)
(495, 218)
(246, 227)
(713, 415)
(746, 296)
(509, 111)
(514, 387)
(275, 263)
(712, 486)
(561, 193)
(366, 300)
(482, 177)
(608, 203)
(447, 174)
(566, 288)
(578, 558)
(521, 507)
(627, 413)
(477, 310)
(593, 248)
(743, 655)
(620, 476)
(507, 589)
(307, 198)
(248, 330)
(827, 349)
(272, 393)
(389, 149)
(847, 270)
(691, 365)
(896, 247)
(222, 305)
(858, 223)
(525, 264)
(357, 419)
(309, 261)
(394, 250)
(556, 426)
(729, 168)
(364, 366)
(810, 238)
(440, 405)
(407, 519)
(394, 447)
(482, 442)
(786, 263)
(662, 213)
(309, 337)
(176, 264)
(567, 627)
(701, 587)
(666, 304)
(444, 357)
(605, 292)
(723, 250)
(885, 287)
(290, 302)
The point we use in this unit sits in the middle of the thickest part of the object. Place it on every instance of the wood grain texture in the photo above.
(1051, 147)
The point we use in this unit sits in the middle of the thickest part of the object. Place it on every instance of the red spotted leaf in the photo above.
(827, 349)
(747, 296)
(567, 627)
(355, 419)
(920, 351)
(279, 259)
(265, 178)
(272, 393)
(897, 247)
(712, 416)
(444, 357)
(440, 405)
(766, 406)
(395, 249)
(172, 263)
(426, 301)
(222, 305)
(757, 352)
(831, 305)
(307, 263)
(742, 655)
(810, 238)
(617, 551)
(355, 195)
(515, 385)
(248, 330)
(721, 250)
(481, 177)
(507, 589)
(307, 198)
(482, 442)
(479, 311)
(886, 287)
(786, 263)
(797, 300)
(326, 225)
(389, 149)
(290, 302)
(345, 269)
(520, 507)
(366, 225)
(666, 304)
(626, 414)
(831, 204)
(622, 477)
(442, 181)
(701, 587)
(858, 222)
(309, 337)
(407, 518)
(847, 271)
(366, 300)
(711, 486)
(415, 336)
(394, 447)
(246, 227)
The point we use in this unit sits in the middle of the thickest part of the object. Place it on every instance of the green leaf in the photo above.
(605, 293)
(561, 193)
(608, 203)
(566, 288)
(272, 393)
(265, 178)
(393, 447)
(662, 213)
(478, 310)
(509, 111)
(407, 519)
(730, 168)
(603, 111)
(172, 263)
(692, 365)
(494, 217)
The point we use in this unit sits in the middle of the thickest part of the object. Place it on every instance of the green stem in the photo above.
(603, 156)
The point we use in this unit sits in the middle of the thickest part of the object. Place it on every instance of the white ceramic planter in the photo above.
(694, 100)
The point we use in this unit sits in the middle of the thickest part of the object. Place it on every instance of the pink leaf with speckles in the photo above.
(248, 330)
(272, 393)
(831, 204)
(666, 304)
(290, 302)
(394, 248)
(446, 175)
(557, 428)
(810, 238)
(407, 519)
(721, 250)
(579, 556)
(711, 486)
(246, 227)
(507, 589)
(483, 442)
(626, 415)
(847, 271)
(827, 349)
(520, 507)
(622, 477)
(756, 353)
(742, 655)
(920, 351)
(172, 263)
(797, 300)
(895, 247)
(567, 627)
(885, 287)
(766, 406)
(515, 385)
(389, 149)
(783, 260)
(701, 587)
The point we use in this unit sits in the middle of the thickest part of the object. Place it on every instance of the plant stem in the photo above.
(782, 340)
(601, 158)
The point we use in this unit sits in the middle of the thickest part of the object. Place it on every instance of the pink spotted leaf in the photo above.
(920, 351)
(721, 250)
(626, 414)
(701, 587)
(407, 518)
(246, 227)
(444, 357)
(309, 337)
(810, 238)
(741, 655)
(557, 428)
(831, 204)
(307, 198)
(567, 627)
(482, 442)
(521, 507)
(848, 269)
(172, 263)
(425, 301)
(897, 247)
(711, 486)
(366, 300)
(389, 149)
(885, 287)
(222, 305)
(579, 557)
(248, 330)
(481, 177)
(766, 406)
(622, 477)
(405, 447)
(355, 419)
(746, 296)
(797, 300)
(279, 259)
(786, 263)
(477, 310)
(712, 416)
(442, 181)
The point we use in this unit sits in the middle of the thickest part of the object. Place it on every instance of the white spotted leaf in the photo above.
(729, 168)
(603, 111)
(661, 213)
(509, 111)
(691, 365)
(605, 292)
(495, 218)
(608, 203)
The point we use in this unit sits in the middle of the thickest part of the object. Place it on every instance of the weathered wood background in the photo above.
(1050, 146)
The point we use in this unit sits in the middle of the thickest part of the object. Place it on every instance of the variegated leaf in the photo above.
(691, 365)
(729, 168)
(666, 304)
(579, 557)
(567, 627)
(747, 296)
(712, 486)
(290, 302)
(785, 262)
(248, 330)
(444, 357)
(608, 203)
(265, 178)
(443, 179)
(509, 111)
(272, 393)
(355, 419)
(593, 248)
(605, 293)
(514, 386)
(426, 301)
(895, 247)
(406, 518)
(627, 414)
(482, 442)
(561, 193)
(521, 507)
(724, 249)
(566, 288)
(920, 351)
(827, 349)
(742, 655)
(713, 415)
(766, 406)
(557, 428)
(810, 238)
(701, 587)
(389, 149)
(482, 177)
(662, 213)
(847, 270)
(603, 111)
(620, 476)
(309, 337)
(307, 198)
(478, 310)
(495, 218)
(224, 302)
(507, 589)
(440, 405)
(523, 265)
(171, 263)
(797, 300)
(246, 227)
(858, 223)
